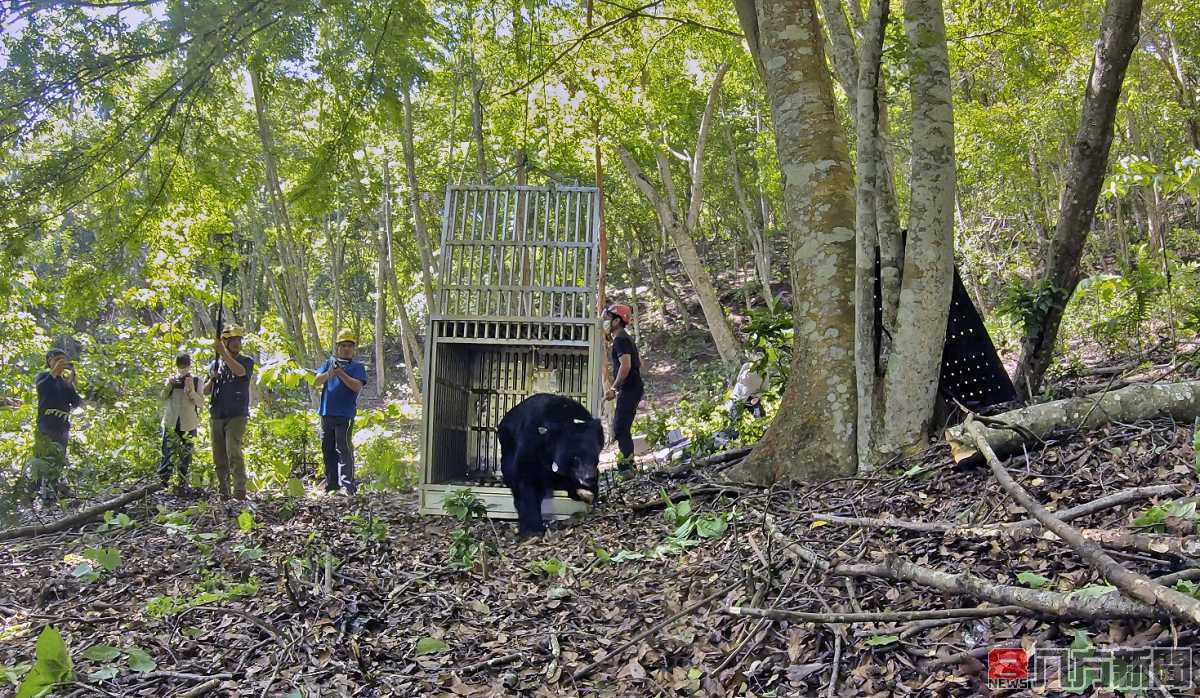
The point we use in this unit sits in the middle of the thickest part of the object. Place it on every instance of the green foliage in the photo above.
(1027, 304)
(465, 551)
(463, 505)
(1155, 518)
(430, 645)
(52, 666)
(369, 528)
(213, 587)
(245, 521)
(1032, 580)
(551, 567)
(688, 525)
(116, 521)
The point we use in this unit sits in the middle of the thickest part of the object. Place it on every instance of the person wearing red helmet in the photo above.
(626, 386)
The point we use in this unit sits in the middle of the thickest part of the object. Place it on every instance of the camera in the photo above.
(180, 381)
(341, 363)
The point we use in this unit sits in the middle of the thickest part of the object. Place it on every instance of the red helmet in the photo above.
(622, 311)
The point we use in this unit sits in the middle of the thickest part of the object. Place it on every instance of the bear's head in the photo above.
(575, 456)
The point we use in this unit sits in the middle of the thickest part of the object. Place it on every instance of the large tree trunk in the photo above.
(813, 435)
(914, 363)
(414, 201)
(1085, 176)
(682, 228)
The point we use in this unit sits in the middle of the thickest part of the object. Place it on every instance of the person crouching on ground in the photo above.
(56, 398)
(626, 387)
(228, 385)
(340, 379)
(180, 418)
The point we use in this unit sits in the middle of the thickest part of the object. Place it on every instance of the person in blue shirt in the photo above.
(340, 379)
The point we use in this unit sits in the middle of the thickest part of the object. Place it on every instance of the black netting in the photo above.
(971, 370)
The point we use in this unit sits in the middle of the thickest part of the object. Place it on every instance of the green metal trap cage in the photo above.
(516, 314)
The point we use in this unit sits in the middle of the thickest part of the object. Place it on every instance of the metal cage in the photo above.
(516, 314)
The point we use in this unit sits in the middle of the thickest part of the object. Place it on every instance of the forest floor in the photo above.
(622, 602)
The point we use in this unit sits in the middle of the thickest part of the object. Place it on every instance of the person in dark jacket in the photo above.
(228, 385)
(57, 397)
(626, 386)
(340, 379)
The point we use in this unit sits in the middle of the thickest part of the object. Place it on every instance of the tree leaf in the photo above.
(140, 661)
(245, 521)
(104, 674)
(431, 645)
(1032, 580)
(883, 640)
(101, 653)
(294, 488)
(108, 558)
(52, 665)
(712, 526)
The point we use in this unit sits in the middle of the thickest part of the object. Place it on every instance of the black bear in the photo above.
(548, 442)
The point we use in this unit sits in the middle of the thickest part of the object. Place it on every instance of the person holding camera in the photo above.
(56, 398)
(180, 418)
(340, 379)
(228, 385)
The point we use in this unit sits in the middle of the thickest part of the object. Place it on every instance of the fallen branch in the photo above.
(868, 522)
(1131, 404)
(80, 518)
(653, 629)
(489, 663)
(1182, 575)
(881, 617)
(271, 630)
(1137, 585)
(715, 459)
(1117, 540)
(1109, 606)
(1096, 505)
(201, 689)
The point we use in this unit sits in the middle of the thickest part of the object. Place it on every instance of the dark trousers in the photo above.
(627, 402)
(176, 451)
(338, 452)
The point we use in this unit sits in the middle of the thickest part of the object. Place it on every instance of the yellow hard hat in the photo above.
(346, 336)
(233, 331)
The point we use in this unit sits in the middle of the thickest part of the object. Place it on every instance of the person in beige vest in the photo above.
(180, 418)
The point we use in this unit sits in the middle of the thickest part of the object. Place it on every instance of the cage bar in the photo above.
(514, 315)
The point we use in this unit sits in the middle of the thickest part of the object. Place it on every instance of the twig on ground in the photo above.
(1137, 585)
(655, 628)
(493, 662)
(837, 664)
(240, 614)
(201, 689)
(880, 617)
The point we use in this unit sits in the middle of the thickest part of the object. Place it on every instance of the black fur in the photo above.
(548, 442)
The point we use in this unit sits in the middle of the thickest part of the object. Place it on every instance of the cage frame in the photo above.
(460, 326)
